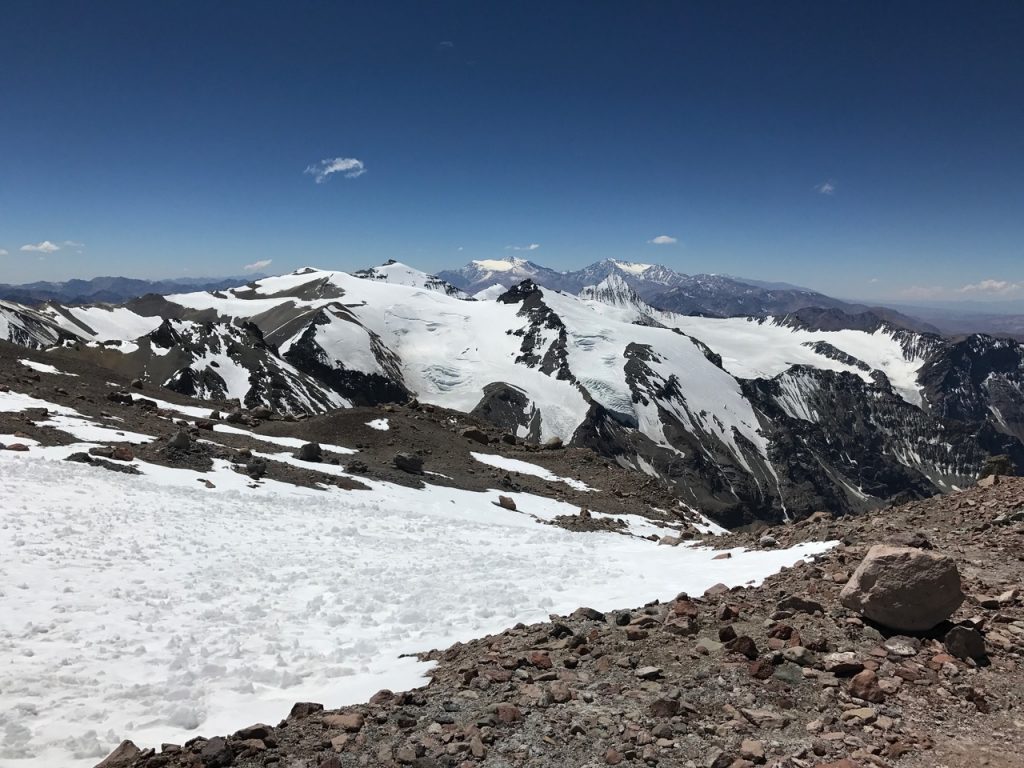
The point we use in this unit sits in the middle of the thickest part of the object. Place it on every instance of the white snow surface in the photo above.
(379, 424)
(105, 323)
(752, 349)
(157, 609)
(526, 468)
(44, 368)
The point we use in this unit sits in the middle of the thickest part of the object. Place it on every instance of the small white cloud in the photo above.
(349, 167)
(827, 187)
(257, 265)
(72, 244)
(3, 251)
(873, 280)
(663, 240)
(44, 247)
(530, 247)
(991, 287)
(446, 45)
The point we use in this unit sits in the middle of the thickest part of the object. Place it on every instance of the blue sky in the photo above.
(867, 149)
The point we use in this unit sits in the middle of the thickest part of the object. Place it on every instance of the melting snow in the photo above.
(526, 468)
(381, 424)
(44, 368)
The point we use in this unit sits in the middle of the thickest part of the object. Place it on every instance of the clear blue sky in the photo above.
(825, 143)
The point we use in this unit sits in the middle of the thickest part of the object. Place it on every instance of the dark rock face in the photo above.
(357, 387)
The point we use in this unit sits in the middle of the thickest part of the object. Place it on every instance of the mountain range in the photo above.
(111, 289)
(765, 417)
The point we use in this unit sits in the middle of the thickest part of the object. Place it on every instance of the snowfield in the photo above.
(154, 608)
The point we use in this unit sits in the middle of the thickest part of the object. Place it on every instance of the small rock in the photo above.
(864, 685)
(408, 462)
(181, 441)
(752, 750)
(965, 643)
(476, 435)
(311, 452)
(648, 673)
(257, 731)
(303, 709)
(122, 757)
(507, 502)
(351, 721)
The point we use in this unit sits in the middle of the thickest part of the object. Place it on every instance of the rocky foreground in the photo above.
(784, 674)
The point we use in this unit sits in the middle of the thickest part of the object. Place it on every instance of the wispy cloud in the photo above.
(663, 240)
(991, 287)
(827, 187)
(3, 251)
(349, 167)
(530, 247)
(258, 265)
(445, 45)
(72, 244)
(44, 247)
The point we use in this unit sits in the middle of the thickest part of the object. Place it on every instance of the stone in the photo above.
(351, 721)
(507, 502)
(766, 542)
(744, 645)
(553, 444)
(845, 664)
(715, 590)
(122, 757)
(216, 753)
(765, 718)
(301, 709)
(916, 539)
(752, 750)
(476, 435)
(613, 757)
(864, 686)
(965, 643)
(311, 452)
(262, 412)
(17, 447)
(800, 604)
(665, 708)
(902, 646)
(799, 655)
(507, 713)
(181, 441)
(988, 481)
(257, 731)
(648, 673)
(137, 384)
(122, 453)
(408, 462)
(904, 588)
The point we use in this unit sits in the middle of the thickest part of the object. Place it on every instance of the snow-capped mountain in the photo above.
(397, 273)
(744, 417)
(486, 273)
(26, 327)
(666, 289)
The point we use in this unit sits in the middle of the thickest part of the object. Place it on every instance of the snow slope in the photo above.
(753, 349)
(154, 608)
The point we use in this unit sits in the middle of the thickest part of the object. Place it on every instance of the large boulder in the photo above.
(904, 588)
